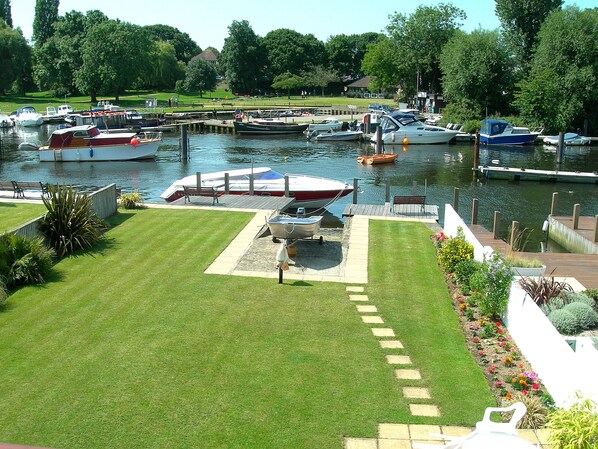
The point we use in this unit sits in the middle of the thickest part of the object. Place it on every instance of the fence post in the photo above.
(226, 183)
(456, 199)
(355, 187)
(387, 198)
(576, 208)
(496, 224)
(554, 203)
(595, 228)
(198, 179)
(286, 186)
(474, 212)
(514, 236)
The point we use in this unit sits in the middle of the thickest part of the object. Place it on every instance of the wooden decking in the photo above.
(240, 202)
(583, 267)
(428, 212)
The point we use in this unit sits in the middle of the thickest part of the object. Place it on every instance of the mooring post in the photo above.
(286, 186)
(456, 199)
(378, 140)
(387, 197)
(251, 183)
(355, 187)
(184, 143)
(198, 179)
(226, 183)
(413, 187)
(474, 212)
(560, 148)
(496, 225)
(595, 228)
(280, 275)
(476, 151)
(576, 208)
(514, 236)
(366, 123)
(554, 203)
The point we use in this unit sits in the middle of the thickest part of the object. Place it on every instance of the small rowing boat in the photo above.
(377, 159)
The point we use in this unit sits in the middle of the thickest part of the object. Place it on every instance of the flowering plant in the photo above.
(439, 239)
(526, 382)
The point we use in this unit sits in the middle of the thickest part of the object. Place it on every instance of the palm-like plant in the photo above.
(70, 223)
(24, 261)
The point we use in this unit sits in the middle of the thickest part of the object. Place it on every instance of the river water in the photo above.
(437, 170)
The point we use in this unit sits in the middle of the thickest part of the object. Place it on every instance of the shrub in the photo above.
(131, 200)
(498, 278)
(453, 251)
(70, 223)
(542, 289)
(586, 317)
(574, 428)
(571, 297)
(592, 293)
(464, 270)
(564, 321)
(3, 293)
(23, 260)
(536, 414)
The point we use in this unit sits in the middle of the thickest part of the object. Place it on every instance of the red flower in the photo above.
(499, 331)
(535, 387)
(497, 324)
(524, 392)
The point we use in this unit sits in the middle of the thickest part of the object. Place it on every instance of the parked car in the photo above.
(379, 108)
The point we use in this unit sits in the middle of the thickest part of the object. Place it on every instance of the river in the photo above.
(437, 170)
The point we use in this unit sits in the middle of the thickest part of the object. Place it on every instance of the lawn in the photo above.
(132, 346)
(14, 214)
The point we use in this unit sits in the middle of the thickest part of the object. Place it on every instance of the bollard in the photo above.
(355, 187)
(286, 186)
(387, 197)
(576, 208)
(554, 203)
(474, 212)
(226, 183)
(379, 140)
(456, 199)
(476, 151)
(496, 225)
(184, 143)
(513, 241)
(560, 148)
(198, 179)
(251, 183)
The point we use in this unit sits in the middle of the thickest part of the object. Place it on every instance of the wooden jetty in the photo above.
(428, 212)
(249, 202)
(529, 174)
(583, 267)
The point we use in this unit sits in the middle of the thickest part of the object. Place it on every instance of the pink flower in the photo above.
(535, 387)
(524, 392)
(499, 331)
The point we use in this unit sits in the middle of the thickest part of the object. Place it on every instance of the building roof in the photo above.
(362, 83)
(206, 55)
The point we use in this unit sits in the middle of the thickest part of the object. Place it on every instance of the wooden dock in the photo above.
(529, 174)
(254, 202)
(429, 212)
(583, 267)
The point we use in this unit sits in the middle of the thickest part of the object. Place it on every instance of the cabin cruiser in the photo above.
(401, 128)
(28, 116)
(501, 132)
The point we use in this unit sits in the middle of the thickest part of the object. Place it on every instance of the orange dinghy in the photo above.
(377, 159)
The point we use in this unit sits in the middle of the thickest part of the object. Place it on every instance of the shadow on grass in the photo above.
(8, 205)
(120, 217)
(300, 284)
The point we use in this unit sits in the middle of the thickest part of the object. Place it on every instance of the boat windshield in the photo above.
(271, 174)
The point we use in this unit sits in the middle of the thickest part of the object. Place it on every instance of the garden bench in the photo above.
(419, 200)
(19, 188)
(201, 191)
(226, 104)
(7, 185)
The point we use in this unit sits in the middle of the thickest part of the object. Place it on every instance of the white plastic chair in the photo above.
(486, 425)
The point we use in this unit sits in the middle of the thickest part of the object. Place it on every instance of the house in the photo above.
(360, 88)
(206, 55)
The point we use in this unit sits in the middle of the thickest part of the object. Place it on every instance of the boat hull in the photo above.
(287, 227)
(377, 159)
(121, 152)
(513, 139)
(422, 138)
(342, 136)
(268, 129)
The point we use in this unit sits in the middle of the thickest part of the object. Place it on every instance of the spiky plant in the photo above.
(24, 260)
(543, 289)
(131, 200)
(536, 414)
(70, 223)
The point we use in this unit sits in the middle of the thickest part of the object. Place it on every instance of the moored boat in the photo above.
(308, 191)
(328, 124)
(501, 132)
(400, 128)
(288, 227)
(377, 159)
(27, 116)
(269, 127)
(87, 143)
(570, 139)
(338, 136)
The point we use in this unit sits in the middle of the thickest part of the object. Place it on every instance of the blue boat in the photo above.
(501, 132)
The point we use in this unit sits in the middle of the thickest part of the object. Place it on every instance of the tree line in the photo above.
(541, 64)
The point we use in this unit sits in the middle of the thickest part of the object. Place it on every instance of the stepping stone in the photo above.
(418, 393)
(408, 374)
(456, 431)
(361, 443)
(395, 431)
(355, 289)
(423, 431)
(369, 319)
(383, 332)
(424, 410)
(391, 344)
(366, 309)
(358, 298)
(394, 444)
(398, 359)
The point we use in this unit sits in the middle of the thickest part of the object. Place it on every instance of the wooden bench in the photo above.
(419, 200)
(226, 104)
(19, 187)
(201, 191)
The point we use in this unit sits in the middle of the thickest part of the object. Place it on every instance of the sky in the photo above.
(207, 21)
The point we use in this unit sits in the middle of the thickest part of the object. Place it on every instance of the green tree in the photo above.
(477, 67)
(163, 71)
(184, 47)
(200, 76)
(345, 53)
(288, 81)
(243, 58)
(420, 38)
(46, 13)
(319, 76)
(521, 21)
(115, 54)
(561, 89)
(15, 59)
(383, 62)
(5, 13)
(288, 50)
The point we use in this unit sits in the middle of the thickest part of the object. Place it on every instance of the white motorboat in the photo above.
(338, 136)
(570, 139)
(400, 128)
(87, 143)
(28, 116)
(64, 109)
(328, 124)
(288, 227)
(308, 191)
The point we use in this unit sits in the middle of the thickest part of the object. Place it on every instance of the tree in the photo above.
(319, 76)
(184, 47)
(383, 62)
(200, 76)
(15, 59)
(243, 58)
(288, 81)
(115, 54)
(5, 13)
(46, 13)
(163, 72)
(521, 21)
(477, 67)
(561, 89)
(288, 50)
(420, 38)
(345, 53)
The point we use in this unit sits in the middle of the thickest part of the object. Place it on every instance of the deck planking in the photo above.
(262, 202)
(430, 212)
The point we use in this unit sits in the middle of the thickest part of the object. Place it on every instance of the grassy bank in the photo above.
(14, 214)
(132, 346)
